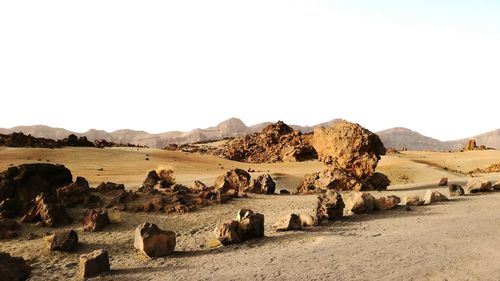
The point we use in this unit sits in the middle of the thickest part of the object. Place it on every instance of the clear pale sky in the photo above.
(432, 66)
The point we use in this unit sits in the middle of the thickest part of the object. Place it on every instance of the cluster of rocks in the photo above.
(275, 143)
(351, 154)
(493, 168)
(248, 225)
(22, 140)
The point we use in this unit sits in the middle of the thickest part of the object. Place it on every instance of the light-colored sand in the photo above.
(456, 240)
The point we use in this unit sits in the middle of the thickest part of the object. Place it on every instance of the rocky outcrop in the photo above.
(153, 242)
(94, 263)
(13, 268)
(330, 206)
(27, 181)
(262, 184)
(288, 222)
(351, 153)
(249, 225)
(48, 210)
(64, 241)
(275, 143)
(95, 220)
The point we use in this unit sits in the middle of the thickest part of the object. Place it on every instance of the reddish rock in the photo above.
(95, 220)
(49, 210)
(74, 193)
(228, 233)
(110, 188)
(236, 179)
(152, 241)
(443, 182)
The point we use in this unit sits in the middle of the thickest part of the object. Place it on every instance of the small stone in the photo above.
(64, 241)
(289, 222)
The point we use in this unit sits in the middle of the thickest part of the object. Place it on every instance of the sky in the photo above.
(429, 65)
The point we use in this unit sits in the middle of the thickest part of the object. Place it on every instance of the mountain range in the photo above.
(395, 137)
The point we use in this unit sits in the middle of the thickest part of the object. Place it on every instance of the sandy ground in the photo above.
(456, 240)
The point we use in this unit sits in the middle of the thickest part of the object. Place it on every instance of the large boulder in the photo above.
(262, 184)
(13, 268)
(386, 203)
(95, 220)
(330, 206)
(27, 181)
(434, 197)
(154, 242)
(74, 193)
(64, 241)
(49, 210)
(349, 146)
(288, 222)
(236, 179)
(477, 184)
(362, 202)
(94, 263)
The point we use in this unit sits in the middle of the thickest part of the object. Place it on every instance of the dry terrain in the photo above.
(456, 240)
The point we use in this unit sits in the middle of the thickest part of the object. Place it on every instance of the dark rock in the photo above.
(330, 206)
(13, 268)
(263, 184)
(95, 220)
(74, 193)
(65, 241)
(49, 210)
(456, 190)
(8, 228)
(94, 263)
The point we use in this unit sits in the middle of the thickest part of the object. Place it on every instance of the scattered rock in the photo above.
(228, 233)
(362, 202)
(263, 184)
(48, 210)
(477, 184)
(456, 190)
(284, 192)
(330, 206)
(307, 220)
(289, 222)
(252, 226)
(95, 220)
(74, 193)
(386, 203)
(236, 179)
(94, 263)
(154, 242)
(13, 268)
(65, 241)
(443, 182)
(414, 200)
(434, 197)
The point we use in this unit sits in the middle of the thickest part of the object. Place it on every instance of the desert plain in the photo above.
(453, 240)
